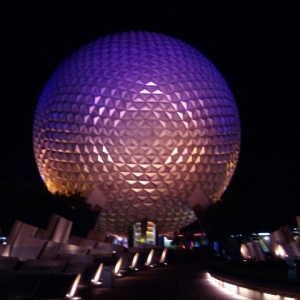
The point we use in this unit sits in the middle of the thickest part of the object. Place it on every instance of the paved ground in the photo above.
(179, 280)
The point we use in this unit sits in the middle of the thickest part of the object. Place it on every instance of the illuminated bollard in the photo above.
(108, 278)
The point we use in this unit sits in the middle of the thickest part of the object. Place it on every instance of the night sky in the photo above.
(254, 44)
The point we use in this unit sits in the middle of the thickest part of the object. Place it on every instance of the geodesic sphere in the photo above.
(144, 118)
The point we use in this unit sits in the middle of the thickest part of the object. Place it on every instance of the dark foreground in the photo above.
(184, 277)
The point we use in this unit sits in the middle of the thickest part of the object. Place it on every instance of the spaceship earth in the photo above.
(145, 119)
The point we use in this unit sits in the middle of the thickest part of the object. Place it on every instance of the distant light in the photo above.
(264, 233)
(280, 252)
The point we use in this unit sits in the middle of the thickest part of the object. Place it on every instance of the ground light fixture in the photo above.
(96, 279)
(72, 292)
(134, 262)
(118, 266)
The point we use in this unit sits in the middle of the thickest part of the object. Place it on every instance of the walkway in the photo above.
(179, 280)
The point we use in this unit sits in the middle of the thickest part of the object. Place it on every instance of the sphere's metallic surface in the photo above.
(143, 117)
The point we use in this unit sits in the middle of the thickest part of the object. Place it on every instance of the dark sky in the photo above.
(254, 44)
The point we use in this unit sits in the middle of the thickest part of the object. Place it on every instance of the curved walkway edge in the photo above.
(256, 290)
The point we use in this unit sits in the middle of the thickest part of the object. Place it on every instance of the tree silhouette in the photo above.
(29, 203)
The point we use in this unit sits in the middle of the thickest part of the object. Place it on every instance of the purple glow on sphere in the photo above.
(144, 119)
